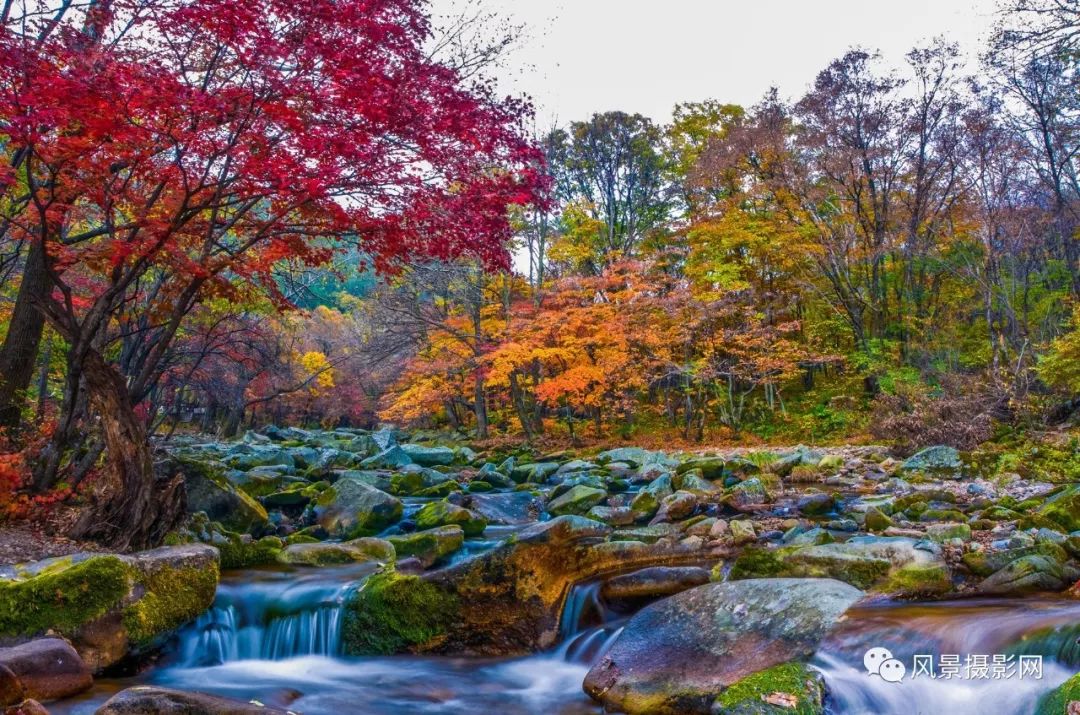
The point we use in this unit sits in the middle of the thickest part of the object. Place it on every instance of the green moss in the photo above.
(1057, 701)
(392, 613)
(236, 554)
(747, 696)
(172, 597)
(760, 562)
(63, 596)
(917, 580)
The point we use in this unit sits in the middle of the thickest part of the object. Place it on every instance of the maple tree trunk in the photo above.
(131, 511)
(480, 406)
(18, 354)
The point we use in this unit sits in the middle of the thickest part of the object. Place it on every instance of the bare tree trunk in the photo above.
(18, 354)
(131, 511)
(480, 405)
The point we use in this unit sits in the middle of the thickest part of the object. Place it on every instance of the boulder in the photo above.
(939, 460)
(350, 508)
(1063, 508)
(654, 582)
(109, 606)
(431, 545)
(428, 456)
(709, 467)
(577, 500)
(45, 669)
(152, 700)
(443, 513)
(1027, 574)
(209, 491)
(613, 515)
(676, 507)
(338, 552)
(679, 654)
(390, 458)
(647, 501)
(742, 531)
(535, 472)
(748, 494)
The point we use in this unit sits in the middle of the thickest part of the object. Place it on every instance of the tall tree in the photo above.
(203, 143)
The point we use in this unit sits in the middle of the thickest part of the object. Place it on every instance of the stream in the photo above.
(274, 636)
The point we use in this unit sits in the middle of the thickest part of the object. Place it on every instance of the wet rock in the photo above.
(109, 606)
(414, 479)
(442, 513)
(679, 654)
(1027, 574)
(647, 534)
(26, 707)
(338, 552)
(350, 508)
(148, 700)
(876, 520)
(577, 500)
(654, 582)
(941, 533)
(633, 456)
(430, 546)
(535, 472)
(45, 669)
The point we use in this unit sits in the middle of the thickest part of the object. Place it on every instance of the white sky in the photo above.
(588, 56)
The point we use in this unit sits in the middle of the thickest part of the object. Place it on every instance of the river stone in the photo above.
(676, 507)
(109, 606)
(535, 472)
(431, 545)
(742, 531)
(338, 552)
(677, 655)
(816, 503)
(654, 582)
(1063, 700)
(788, 689)
(1063, 508)
(710, 467)
(46, 669)
(1027, 574)
(647, 501)
(633, 456)
(576, 500)
(209, 491)
(413, 479)
(613, 515)
(443, 513)
(350, 508)
(428, 456)
(748, 494)
(152, 700)
(506, 507)
(936, 460)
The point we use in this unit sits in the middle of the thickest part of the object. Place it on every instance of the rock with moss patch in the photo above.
(788, 689)
(338, 552)
(576, 500)
(109, 606)
(1063, 509)
(680, 654)
(940, 460)
(209, 491)
(647, 501)
(350, 508)
(443, 513)
(709, 467)
(431, 545)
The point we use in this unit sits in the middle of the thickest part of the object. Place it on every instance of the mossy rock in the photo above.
(430, 546)
(109, 606)
(576, 500)
(1063, 509)
(351, 508)
(238, 552)
(443, 513)
(343, 552)
(917, 581)
(209, 491)
(1057, 701)
(393, 613)
(876, 520)
(788, 689)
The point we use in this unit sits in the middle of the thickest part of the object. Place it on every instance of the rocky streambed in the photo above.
(376, 572)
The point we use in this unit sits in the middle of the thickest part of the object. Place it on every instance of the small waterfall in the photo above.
(285, 616)
(587, 627)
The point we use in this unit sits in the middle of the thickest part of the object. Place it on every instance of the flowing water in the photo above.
(274, 636)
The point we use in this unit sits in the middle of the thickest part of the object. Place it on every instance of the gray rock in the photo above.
(152, 700)
(677, 655)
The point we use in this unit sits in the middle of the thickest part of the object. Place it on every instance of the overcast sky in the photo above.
(588, 56)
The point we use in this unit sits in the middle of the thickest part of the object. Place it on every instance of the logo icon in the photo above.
(880, 661)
